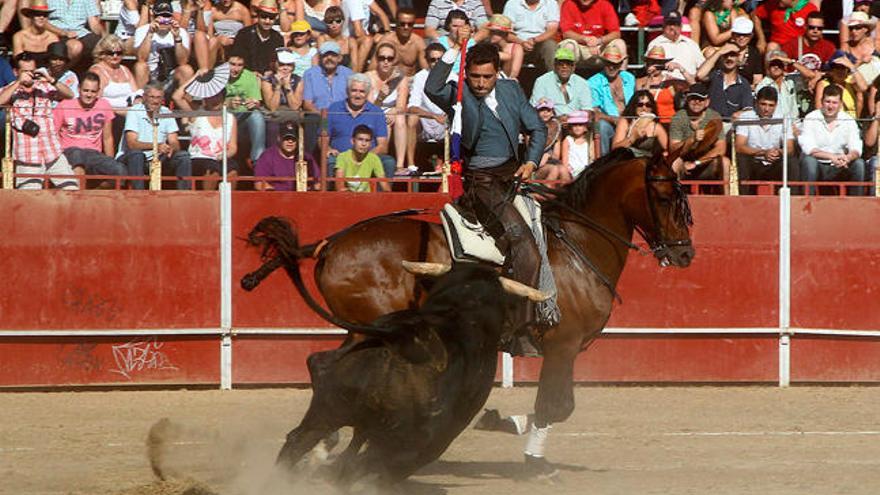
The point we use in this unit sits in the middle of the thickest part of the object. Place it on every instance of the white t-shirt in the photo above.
(158, 42)
(355, 11)
(431, 129)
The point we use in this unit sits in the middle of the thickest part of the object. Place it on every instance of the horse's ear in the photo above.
(690, 149)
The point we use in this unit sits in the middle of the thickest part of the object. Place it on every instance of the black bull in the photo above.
(408, 395)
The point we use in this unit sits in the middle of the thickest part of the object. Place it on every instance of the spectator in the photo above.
(162, 48)
(57, 62)
(575, 151)
(244, 97)
(729, 92)
(863, 6)
(322, 85)
(610, 91)
(314, 11)
(660, 83)
(535, 25)
(694, 10)
(691, 122)
(130, 14)
(36, 150)
(216, 31)
(345, 115)
(587, 26)
(759, 147)
(871, 141)
(280, 160)
(500, 29)
(207, 136)
(300, 46)
(35, 38)
(749, 58)
(639, 129)
(410, 47)
(7, 76)
(861, 45)
(639, 12)
(786, 100)
(136, 146)
(840, 71)
(553, 148)
(812, 41)
(7, 13)
(786, 19)
(77, 20)
(391, 94)
(359, 162)
(439, 10)
(718, 19)
(118, 84)
(681, 49)
(459, 27)
(334, 19)
(358, 12)
(257, 43)
(426, 121)
(831, 143)
(569, 91)
(283, 89)
(85, 126)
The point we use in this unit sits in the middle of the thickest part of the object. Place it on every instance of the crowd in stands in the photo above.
(87, 96)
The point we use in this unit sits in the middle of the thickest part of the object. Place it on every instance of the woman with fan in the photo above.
(391, 94)
(207, 89)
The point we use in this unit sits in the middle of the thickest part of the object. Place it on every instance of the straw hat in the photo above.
(657, 53)
(859, 18)
(612, 54)
(270, 6)
(500, 22)
(36, 6)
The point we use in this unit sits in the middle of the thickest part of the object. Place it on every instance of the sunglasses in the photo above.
(643, 104)
(333, 21)
(39, 14)
(434, 59)
(385, 59)
(406, 24)
(860, 26)
(266, 15)
(113, 53)
(815, 28)
(299, 34)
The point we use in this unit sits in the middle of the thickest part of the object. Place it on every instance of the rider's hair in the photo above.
(483, 53)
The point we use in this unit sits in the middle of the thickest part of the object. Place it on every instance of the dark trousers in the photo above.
(750, 168)
(813, 170)
(179, 164)
(488, 194)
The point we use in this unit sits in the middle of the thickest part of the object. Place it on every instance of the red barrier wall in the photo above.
(141, 260)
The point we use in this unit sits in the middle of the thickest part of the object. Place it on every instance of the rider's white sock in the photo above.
(537, 440)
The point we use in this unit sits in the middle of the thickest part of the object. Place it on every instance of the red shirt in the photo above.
(823, 49)
(597, 20)
(782, 31)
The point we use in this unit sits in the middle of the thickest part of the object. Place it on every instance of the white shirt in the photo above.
(816, 135)
(763, 137)
(417, 99)
(355, 11)
(684, 51)
(158, 42)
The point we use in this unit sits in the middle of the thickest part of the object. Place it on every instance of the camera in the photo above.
(29, 128)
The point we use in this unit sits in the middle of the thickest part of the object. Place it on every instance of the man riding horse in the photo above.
(495, 112)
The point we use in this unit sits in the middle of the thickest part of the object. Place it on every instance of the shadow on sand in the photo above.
(471, 471)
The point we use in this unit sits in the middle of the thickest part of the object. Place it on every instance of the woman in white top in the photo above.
(207, 139)
(390, 92)
(118, 83)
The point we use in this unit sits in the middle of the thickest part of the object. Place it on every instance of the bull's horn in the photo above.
(426, 268)
(521, 289)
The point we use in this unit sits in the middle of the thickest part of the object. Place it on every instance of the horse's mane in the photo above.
(576, 194)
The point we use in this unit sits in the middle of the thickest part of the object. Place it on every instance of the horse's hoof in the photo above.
(540, 469)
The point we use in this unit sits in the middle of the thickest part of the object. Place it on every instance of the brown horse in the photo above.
(359, 270)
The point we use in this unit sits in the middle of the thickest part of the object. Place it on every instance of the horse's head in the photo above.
(666, 230)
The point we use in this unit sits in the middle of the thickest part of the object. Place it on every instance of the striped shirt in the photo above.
(73, 15)
(35, 104)
(439, 9)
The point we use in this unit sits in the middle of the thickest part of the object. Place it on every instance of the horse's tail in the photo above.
(280, 248)
(691, 149)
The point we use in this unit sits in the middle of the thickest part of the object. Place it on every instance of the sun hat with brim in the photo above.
(329, 47)
(209, 84)
(658, 54)
(36, 7)
(564, 55)
(860, 19)
(698, 90)
(836, 55)
(742, 25)
(268, 6)
(300, 27)
(613, 55)
(545, 103)
(285, 56)
(578, 117)
(499, 22)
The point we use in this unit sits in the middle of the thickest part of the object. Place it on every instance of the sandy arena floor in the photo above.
(698, 440)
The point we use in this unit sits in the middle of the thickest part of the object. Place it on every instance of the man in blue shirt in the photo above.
(611, 90)
(569, 91)
(322, 85)
(343, 116)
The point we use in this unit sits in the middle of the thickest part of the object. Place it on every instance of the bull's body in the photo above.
(408, 396)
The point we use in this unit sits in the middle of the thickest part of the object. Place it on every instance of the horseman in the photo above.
(494, 113)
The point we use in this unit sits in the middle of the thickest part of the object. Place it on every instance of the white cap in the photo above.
(743, 25)
(286, 57)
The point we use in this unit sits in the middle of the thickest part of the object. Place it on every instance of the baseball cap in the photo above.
(544, 103)
(672, 17)
(565, 54)
(742, 25)
(698, 90)
(163, 8)
(579, 117)
(285, 56)
(329, 47)
(300, 27)
(289, 128)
